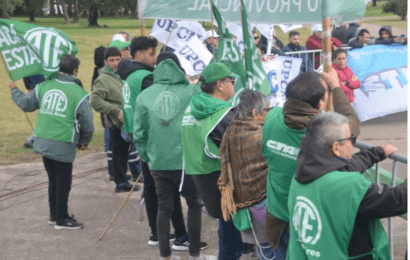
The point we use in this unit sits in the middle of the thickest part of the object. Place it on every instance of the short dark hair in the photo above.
(142, 43)
(337, 52)
(306, 88)
(293, 33)
(112, 51)
(362, 32)
(207, 87)
(68, 64)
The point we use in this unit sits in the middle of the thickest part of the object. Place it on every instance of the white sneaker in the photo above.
(204, 257)
(172, 258)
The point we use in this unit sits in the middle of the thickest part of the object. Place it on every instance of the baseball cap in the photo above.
(216, 71)
(209, 34)
(317, 28)
(119, 44)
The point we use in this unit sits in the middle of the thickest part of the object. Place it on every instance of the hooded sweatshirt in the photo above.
(158, 116)
(379, 200)
(391, 37)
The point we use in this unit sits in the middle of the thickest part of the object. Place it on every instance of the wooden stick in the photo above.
(142, 27)
(212, 29)
(169, 35)
(118, 212)
(69, 209)
(327, 54)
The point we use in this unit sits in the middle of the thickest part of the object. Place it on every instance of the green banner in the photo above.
(229, 54)
(256, 75)
(259, 11)
(30, 50)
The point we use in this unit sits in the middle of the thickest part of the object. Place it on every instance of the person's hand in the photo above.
(12, 85)
(388, 149)
(354, 78)
(398, 39)
(83, 147)
(331, 78)
(334, 47)
(120, 117)
(364, 44)
(344, 83)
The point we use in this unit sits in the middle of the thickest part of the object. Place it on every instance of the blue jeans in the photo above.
(108, 149)
(266, 252)
(230, 241)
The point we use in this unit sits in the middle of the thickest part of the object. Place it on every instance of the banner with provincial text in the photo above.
(382, 70)
(260, 11)
(181, 32)
(30, 50)
(194, 56)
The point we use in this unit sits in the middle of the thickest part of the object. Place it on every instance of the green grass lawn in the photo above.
(394, 22)
(376, 11)
(15, 129)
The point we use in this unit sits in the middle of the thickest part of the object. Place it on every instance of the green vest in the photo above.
(201, 154)
(58, 103)
(323, 214)
(280, 146)
(130, 90)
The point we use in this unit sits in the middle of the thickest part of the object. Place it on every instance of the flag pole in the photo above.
(169, 35)
(142, 27)
(249, 79)
(212, 28)
(327, 55)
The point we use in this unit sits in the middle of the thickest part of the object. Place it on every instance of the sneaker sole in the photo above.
(51, 222)
(64, 227)
(180, 248)
(153, 243)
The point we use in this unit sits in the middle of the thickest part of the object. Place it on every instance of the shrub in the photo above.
(398, 7)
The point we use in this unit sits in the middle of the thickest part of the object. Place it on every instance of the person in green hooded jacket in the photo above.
(203, 126)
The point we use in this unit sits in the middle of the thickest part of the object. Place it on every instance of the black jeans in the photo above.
(167, 183)
(151, 205)
(119, 155)
(59, 177)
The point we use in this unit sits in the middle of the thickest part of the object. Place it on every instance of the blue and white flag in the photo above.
(382, 70)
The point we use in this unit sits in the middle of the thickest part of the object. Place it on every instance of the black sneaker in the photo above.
(126, 188)
(68, 223)
(184, 245)
(52, 219)
(111, 177)
(153, 239)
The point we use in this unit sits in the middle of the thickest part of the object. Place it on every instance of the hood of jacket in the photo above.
(105, 70)
(126, 67)
(313, 162)
(167, 72)
(204, 105)
(386, 28)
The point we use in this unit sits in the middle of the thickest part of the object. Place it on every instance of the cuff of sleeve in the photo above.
(144, 157)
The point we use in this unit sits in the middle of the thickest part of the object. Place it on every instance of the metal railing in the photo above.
(396, 157)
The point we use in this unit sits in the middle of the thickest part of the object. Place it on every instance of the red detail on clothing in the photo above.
(346, 74)
(314, 43)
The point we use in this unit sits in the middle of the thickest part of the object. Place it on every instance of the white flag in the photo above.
(289, 27)
(183, 32)
(194, 56)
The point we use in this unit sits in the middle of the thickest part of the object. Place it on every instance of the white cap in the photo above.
(118, 37)
(317, 28)
(209, 34)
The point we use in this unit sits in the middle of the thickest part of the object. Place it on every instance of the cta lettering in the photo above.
(283, 149)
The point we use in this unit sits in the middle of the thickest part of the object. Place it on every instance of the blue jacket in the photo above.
(307, 64)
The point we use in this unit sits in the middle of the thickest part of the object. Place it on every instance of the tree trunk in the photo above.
(70, 9)
(374, 3)
(75, 18)
(32, 16)
(403, 17)
(65, 13)
(52, 9)
(92, 19)
(4, 12)
(134, 14)
(58, 8)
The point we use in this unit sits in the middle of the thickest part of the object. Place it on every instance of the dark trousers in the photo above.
(151, 205)
(167, 185)
(119, 156)
(230, 239)
(59, 177)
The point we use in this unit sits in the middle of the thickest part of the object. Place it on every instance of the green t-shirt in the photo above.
(280, 147)
(323, 214)
(58, 103)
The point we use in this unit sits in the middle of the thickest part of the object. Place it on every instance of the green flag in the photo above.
(30, 50)
(256, 75)
(229, 54)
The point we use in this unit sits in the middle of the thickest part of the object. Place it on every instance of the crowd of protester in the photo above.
(281, 182)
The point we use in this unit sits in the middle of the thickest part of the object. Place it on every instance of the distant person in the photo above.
(334, 211)
(276, 48)
(351, 31)
(294, 45)
(211, 41)
(361, 40)
(124, 47)
(314, 42)
(64, 124)
(387, 38)
(348, 81)
(339, 32)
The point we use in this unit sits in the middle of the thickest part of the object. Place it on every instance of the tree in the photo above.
(374, 3)
(75, 16)
(65, 13)
(33, 7)
(52, 8)
(398, 7)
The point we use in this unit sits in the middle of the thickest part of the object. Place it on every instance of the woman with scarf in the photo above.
(244, 173)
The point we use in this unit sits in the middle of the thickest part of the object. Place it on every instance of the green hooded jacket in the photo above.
(158, 116)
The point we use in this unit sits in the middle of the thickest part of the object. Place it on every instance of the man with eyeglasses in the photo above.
(203, 126)
(334, 211)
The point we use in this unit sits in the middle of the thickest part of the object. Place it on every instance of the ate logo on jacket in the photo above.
(307, 223)
(54, 102)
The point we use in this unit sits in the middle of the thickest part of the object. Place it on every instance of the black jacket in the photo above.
(355, 44)
(350, 32)
(380, 201)
(126, 67)
(391, 37)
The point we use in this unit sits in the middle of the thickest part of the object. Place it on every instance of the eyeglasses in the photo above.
(352, 138)
(256, 38)
(232, 80)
